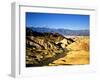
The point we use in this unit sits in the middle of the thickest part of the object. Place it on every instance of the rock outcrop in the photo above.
(44, 48)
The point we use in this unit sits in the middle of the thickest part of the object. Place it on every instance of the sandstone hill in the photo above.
(44, 48)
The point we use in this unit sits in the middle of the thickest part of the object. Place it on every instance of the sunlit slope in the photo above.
(78, 52)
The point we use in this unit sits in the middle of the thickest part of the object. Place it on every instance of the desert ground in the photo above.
(78, 52)
(53, 49)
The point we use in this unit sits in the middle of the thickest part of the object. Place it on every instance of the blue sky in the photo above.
(50, 20)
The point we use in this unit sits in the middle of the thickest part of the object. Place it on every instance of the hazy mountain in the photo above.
(44, 46)
(62, 31)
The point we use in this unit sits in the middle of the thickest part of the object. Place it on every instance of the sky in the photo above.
(52, 20)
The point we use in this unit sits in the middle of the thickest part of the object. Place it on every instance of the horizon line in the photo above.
(56, 28)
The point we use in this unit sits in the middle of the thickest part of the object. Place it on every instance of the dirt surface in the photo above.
(78, 53)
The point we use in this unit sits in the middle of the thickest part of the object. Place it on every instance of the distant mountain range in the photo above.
(61, 31)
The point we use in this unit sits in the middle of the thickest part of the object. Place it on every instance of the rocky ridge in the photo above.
(43, 48)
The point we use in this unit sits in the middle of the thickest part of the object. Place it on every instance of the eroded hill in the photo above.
(52, 49)
(44, 48)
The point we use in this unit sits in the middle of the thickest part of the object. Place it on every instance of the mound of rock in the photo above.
(44, 48)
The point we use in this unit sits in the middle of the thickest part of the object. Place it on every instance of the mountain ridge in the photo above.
(61, 31)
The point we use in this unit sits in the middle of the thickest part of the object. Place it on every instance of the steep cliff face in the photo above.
(44, 48)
